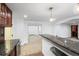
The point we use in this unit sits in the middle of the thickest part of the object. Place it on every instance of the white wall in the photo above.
(19, 29)
(62, 30)
(46, 26)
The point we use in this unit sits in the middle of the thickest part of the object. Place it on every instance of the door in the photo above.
(74, 31)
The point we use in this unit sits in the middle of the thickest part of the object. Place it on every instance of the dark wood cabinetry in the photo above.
(5, 16)
(5, 21)
(1, 35)
(6, 28)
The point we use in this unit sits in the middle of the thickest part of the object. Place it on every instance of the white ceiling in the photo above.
(40, 11)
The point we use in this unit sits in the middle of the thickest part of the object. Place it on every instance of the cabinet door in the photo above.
(3, 9)
(2, 14)
(0, 10)
(2, 21)
(8, 33)
(5, 16)
(1, 18)
(9, 18)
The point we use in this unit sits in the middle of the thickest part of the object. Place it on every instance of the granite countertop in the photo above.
(69, 43)
(11, 44)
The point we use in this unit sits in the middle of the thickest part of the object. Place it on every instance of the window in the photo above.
(34, 29)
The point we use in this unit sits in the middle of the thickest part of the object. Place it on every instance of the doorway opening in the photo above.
(74, 31)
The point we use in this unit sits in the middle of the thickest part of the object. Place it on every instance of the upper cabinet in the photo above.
(5, 15)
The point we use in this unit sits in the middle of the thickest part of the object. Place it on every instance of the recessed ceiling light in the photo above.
(25, 16)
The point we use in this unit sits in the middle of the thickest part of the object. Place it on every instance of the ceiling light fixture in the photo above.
(77, 7)
(51, 16)
(25, 16)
